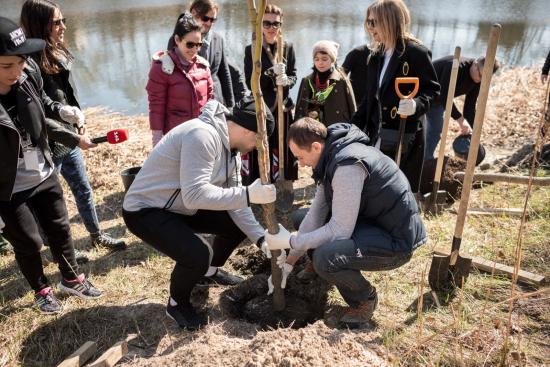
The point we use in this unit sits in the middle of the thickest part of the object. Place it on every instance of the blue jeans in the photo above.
(434, 119)
(340, 262)
(73, 169)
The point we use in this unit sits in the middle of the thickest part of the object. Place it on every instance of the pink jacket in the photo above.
(176, 92)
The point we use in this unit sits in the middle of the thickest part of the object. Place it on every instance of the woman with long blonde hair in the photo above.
(396, 53)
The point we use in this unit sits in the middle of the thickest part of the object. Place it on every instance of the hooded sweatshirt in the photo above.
(193, 168)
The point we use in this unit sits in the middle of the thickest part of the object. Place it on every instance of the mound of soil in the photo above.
(523, 156)
(453, 187)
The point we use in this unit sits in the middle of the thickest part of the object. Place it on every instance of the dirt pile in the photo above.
(316, 345)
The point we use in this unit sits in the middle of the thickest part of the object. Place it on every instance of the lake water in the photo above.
(112, 40)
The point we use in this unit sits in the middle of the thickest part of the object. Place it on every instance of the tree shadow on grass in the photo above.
(136, 254)
(109, 208)
(51, 343)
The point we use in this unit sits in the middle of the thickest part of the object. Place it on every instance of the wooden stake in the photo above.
(256, 17)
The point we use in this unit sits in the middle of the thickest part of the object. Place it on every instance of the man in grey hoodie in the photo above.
(190, 184)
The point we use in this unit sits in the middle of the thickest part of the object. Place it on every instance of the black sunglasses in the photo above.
(190, 44)
(206, 19)
(267, 24)
(57, 22)
(371, 23)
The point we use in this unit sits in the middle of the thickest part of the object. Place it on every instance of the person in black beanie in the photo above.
(30, 192)
(190, 185)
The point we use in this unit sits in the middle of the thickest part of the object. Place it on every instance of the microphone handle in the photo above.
(101, 139)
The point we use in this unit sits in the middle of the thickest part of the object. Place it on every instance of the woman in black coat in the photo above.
(395, 54)
(272, 75)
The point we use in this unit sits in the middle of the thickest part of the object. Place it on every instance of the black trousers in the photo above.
(412, 160)
(43, 204)
(175, 235)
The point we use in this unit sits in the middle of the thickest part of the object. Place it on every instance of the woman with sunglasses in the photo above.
(179, 80)
(326, 95)
(396, 53)
(205, 14)
(272, 75)
(43, 19)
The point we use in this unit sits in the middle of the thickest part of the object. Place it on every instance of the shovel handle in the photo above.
(478, 124)
(406, 80)
(446, 119)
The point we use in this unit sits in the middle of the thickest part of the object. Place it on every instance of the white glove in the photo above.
(261, 194)
(2, 225)
(72, 115)
(156, 136)
(281, 259)
(279, 68)
(407, 107)
(265, 249)
(286, 269)
(282, 80)
(279, 241)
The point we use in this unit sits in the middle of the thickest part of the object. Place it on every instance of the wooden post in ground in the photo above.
(256, 17)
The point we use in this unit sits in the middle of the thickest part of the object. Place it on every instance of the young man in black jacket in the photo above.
(30, 193)
(467, 84)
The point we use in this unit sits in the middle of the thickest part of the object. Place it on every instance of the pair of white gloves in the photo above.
(281, 78)
(279, 241)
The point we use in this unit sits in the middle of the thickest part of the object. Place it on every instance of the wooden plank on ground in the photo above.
(111, 355)
(80, 356)
(502, 177)
(493, 267)
(512, 212)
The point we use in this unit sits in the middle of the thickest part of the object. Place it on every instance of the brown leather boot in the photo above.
(355, 316)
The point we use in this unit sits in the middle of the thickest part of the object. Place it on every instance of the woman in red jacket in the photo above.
(179, 83)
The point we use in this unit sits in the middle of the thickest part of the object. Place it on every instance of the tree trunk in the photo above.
(256, 17)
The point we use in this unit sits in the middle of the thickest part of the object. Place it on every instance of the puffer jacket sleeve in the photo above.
(157, 91)
(210, 86)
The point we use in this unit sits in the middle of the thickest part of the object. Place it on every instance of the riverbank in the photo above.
(469, 330)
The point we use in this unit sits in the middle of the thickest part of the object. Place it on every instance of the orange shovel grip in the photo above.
(407, 80)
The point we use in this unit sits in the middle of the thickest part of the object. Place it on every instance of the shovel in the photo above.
(436, 199)
(403, 118)
(285, 191)
(449, 272)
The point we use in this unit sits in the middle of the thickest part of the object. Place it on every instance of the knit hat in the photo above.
(13, 41)
(328, 47)
(244, 114)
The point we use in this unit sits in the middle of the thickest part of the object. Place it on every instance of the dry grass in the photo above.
(468, 330)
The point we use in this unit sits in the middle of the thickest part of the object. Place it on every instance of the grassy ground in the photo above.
(469, 329)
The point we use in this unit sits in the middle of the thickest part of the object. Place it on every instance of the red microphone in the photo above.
(113, 137)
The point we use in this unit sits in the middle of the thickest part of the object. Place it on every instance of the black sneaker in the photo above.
(102, 239)
(81, 257)
(80, 287)
(221, 277)
(186, 316)
(46, 301)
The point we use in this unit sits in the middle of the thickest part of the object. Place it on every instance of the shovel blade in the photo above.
(444, 277)
(434, 207)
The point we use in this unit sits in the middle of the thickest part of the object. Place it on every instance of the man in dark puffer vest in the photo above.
(363, 218)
